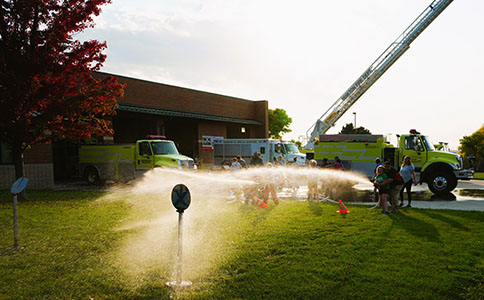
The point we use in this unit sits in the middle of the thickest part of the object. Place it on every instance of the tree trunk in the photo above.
(18, 161)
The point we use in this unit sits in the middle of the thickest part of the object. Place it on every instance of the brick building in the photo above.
(189, 117)
(38, 167)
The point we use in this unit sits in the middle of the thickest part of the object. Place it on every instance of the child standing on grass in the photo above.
(270, 187)
(383, 190)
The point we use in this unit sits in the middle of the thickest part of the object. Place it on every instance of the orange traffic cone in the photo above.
(342, 208)
(259, 202)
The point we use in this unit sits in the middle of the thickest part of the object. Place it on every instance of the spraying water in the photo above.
(150, 249)
(223, 183)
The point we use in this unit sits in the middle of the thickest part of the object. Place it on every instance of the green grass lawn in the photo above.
(99, 245)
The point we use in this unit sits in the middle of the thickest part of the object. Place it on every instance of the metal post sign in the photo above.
(17, 187)
(180, 197)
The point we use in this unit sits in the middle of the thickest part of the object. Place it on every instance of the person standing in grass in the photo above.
(325, 163)
(256, 160)
(337, 164)
(378, 163)
(313, 183)
(293, 162)
(381, 183)
(235, 165)
(270, 187)
(376, 194)
(407, 171)
(396, 184)
(281, 161)
(241, 161)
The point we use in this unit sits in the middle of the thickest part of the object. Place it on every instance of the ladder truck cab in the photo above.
(358, 152)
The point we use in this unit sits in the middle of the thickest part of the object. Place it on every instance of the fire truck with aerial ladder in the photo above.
(439, 169)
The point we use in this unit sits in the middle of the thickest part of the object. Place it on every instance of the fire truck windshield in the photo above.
(427, 143)
(291, 148)
(161, 148)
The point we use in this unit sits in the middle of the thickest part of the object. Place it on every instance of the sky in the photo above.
(301, 56)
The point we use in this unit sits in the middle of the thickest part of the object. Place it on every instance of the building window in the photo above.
(6, 157)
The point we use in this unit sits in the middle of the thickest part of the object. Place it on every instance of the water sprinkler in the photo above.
(180, 197)
(17, 187)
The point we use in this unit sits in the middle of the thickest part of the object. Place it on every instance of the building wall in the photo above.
(261, 113)
(209, 129)
(38, 154)
(152, 94)
(187, 133)
(129, 127)
(38, 168)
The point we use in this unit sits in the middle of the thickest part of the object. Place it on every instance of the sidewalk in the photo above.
(470, 205)
(477, 205)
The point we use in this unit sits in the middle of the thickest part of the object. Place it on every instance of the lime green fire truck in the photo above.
(124, 162)
(358, 152)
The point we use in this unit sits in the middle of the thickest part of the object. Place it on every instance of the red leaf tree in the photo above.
(47, 91)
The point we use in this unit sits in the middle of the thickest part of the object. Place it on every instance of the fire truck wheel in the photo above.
(442, 182)
(92, 176)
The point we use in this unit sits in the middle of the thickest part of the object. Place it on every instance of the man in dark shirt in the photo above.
(256, 160)
(395, 182)
(241, 161)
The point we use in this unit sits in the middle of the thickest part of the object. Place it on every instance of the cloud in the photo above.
(301, 56)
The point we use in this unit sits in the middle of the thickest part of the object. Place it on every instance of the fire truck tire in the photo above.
(91, 175)
(442, 182)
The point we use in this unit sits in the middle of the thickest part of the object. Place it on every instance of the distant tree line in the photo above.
(473, 146)
(279, 123)
(350, 129)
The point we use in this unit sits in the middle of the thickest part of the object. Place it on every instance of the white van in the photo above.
(270, 149)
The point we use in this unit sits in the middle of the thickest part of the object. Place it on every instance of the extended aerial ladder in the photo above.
(375, 71)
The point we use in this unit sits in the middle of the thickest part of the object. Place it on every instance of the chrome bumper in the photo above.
(464, 174)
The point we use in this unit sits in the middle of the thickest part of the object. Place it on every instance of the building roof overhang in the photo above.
(183, 114)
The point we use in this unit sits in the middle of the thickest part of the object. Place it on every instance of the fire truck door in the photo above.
(415, 150)
(144, 157)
